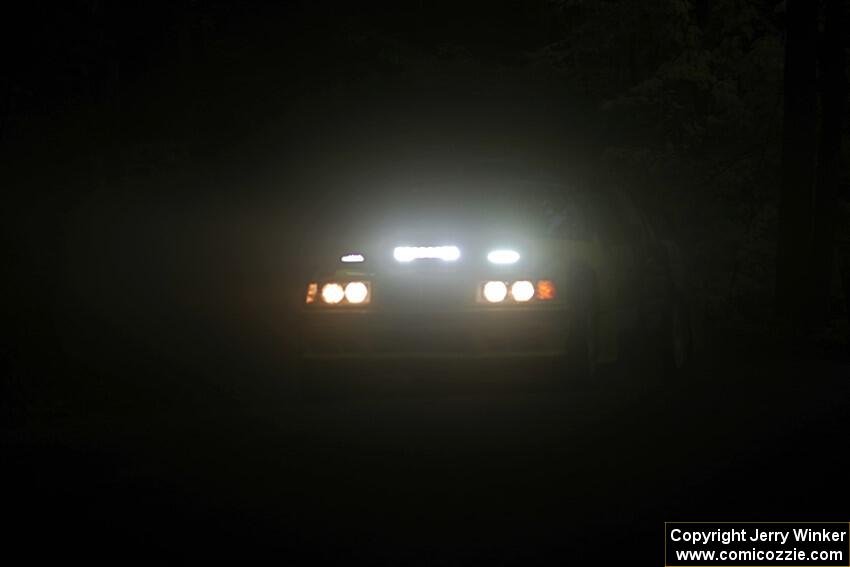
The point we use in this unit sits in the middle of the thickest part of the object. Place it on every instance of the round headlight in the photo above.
(332, 293)
(356, 292)
(494, 292)
(522, 291)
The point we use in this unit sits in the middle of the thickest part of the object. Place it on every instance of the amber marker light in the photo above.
(312, 290)
(545, 290)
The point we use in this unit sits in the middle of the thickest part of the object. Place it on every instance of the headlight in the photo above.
(352, 258)
(356, 292)
(332, 293)
(494, 292)
(522, 291)
(340, 293)
(503, 256)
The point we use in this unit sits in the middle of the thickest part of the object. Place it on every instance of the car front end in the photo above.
(443, 299)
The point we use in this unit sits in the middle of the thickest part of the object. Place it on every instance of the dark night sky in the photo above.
(208, 74)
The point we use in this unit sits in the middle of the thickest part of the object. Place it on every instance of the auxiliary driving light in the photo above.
(332, 293)
(494, 292)
(522, 291)
(503, 257)
(356, 292)
(410, 253)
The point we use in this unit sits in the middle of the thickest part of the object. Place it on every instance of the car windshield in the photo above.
(565, 214)
(437, 210)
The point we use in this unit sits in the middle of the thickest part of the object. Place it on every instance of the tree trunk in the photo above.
(798, 163)
(829, 154)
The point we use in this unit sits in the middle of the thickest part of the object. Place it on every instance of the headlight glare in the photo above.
(356, 292)
(522, 291)
(495, 292)
(332, 293)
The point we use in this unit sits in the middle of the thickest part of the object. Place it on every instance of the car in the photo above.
(580, 275)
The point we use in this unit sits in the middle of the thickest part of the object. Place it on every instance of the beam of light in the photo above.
(522, 291)
(411, 253)
(503, 256)
(353, 258)
(495, 292)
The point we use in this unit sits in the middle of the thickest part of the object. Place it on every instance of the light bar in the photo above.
(503, 257)
(411, 253)
(352, 258)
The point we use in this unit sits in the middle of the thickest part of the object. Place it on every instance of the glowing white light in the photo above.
(356, 292)
(503, 256)
(353, 258)
(494, 292)
(332, 293)
(410, 253)
(522, 291)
